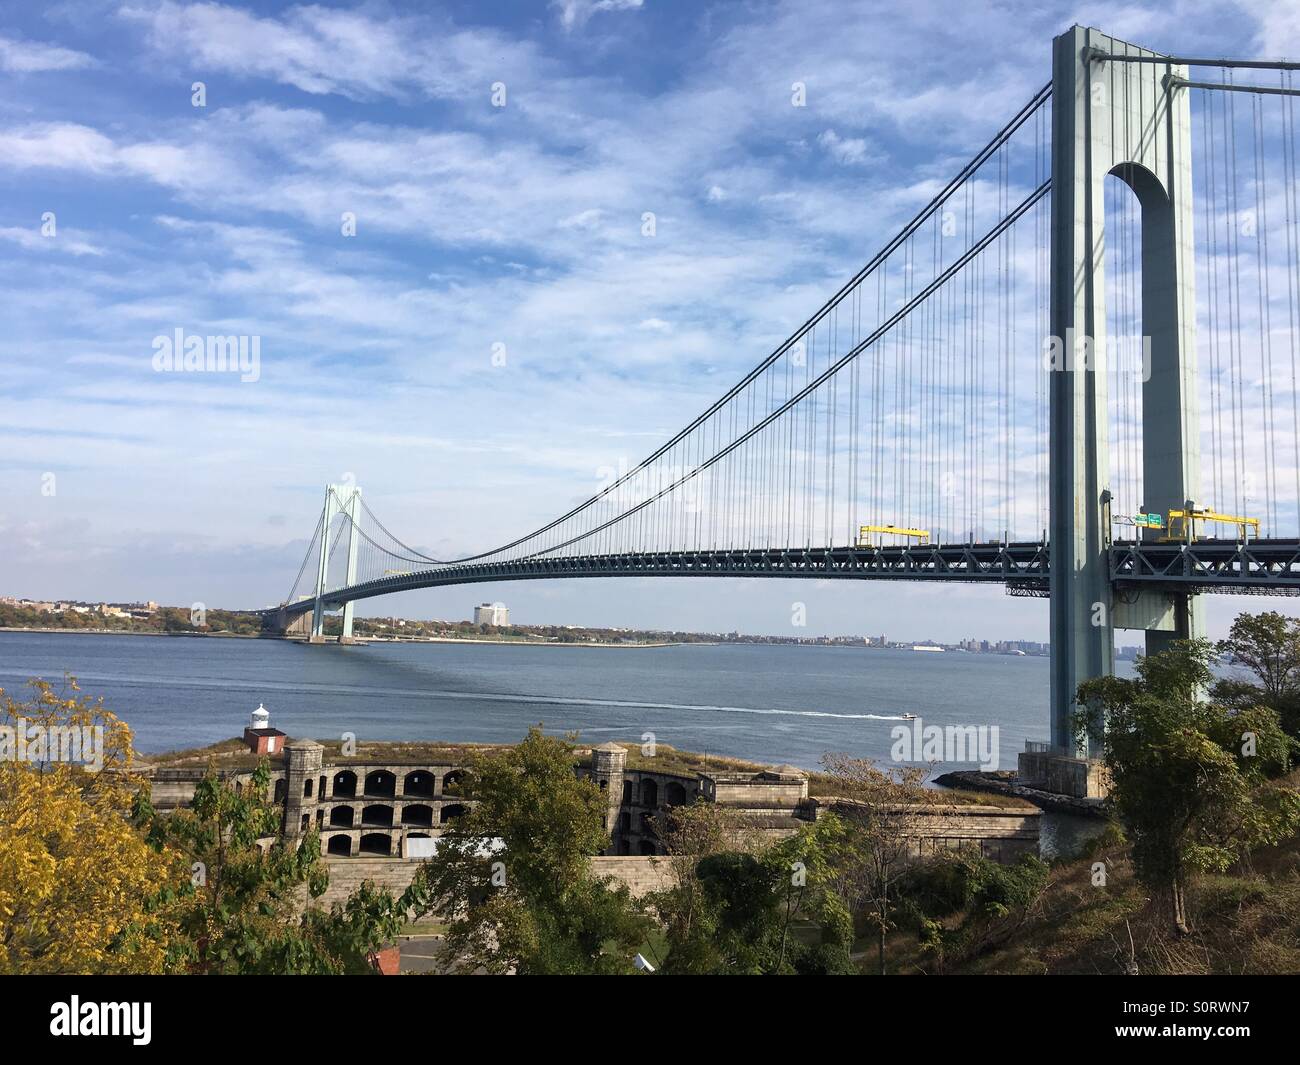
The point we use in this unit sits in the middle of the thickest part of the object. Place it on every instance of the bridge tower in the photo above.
(339, 499)
(1112, 116)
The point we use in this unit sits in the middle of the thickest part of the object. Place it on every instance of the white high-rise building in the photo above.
(491, 614)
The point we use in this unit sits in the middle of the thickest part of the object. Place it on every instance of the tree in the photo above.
(814, 868)
(513, 876)
(93, 880)
(1189, 777)
(735, 925)
(1268, 645)
(248, 907)
(690, 834)
(734, 901)
(881, 808)
(740, 895)
(80, 890)
(992, 899)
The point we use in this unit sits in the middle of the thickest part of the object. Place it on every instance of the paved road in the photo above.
(421, 954)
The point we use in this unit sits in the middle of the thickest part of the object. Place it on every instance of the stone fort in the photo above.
(382, 811)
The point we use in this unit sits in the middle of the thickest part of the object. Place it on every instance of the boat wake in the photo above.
(349, 690)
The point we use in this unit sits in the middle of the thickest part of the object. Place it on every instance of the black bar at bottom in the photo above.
(185, 1014)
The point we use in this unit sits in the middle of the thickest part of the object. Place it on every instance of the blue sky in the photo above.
(476, 226)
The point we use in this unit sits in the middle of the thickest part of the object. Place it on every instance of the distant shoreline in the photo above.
(133, 632)
(360, 640)
(534, 643)
(363, 640)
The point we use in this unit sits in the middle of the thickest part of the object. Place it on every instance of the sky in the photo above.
(431, 216)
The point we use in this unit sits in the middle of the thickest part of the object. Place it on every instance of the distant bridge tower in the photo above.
(339, 499)
(1112, 116)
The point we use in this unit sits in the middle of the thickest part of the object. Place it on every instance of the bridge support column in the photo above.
(1113, 118)
(351, 505)
(322, 568)
(339, 499)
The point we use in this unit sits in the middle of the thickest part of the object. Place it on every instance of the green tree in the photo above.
(1189, 777)
(1268, 645)
(814, 870)
(882, 806)
(734, 907)
(737, 920)
(690, 834)
(741, 896)
(513, 876)
(992, 899)
(249, 908)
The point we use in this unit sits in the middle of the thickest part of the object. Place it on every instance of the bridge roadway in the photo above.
(1262, 566)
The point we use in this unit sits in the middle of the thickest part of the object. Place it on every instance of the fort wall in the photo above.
(390, 810)
(641, 874)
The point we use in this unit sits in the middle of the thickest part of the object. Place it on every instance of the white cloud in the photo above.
(32, 240)
(1278, 33)
(27, 57)
(59, 145)
(844, 150)
(322, 50)
(589, 219)
(75, 147)
(574, 14)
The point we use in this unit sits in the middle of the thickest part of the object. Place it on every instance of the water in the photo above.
(769, 704)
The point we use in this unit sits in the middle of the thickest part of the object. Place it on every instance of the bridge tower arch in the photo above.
(339, 499)
(1111, 116)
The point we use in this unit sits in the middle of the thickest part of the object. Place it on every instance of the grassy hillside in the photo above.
(1244, 921)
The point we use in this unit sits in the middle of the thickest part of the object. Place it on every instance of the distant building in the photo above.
(491, 614)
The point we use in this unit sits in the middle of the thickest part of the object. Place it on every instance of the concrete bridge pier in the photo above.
(1111, 117)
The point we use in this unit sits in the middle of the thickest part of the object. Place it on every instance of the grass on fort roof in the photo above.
(231, 752)
(687, 763)
(668, 759)
(824, 785)
(234, 754)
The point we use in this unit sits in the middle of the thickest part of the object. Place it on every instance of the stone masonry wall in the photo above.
(640, 874)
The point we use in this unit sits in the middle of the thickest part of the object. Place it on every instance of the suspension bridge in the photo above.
(1073, 373)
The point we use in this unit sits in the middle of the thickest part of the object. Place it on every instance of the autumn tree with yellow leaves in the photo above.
(81, 890)
(93, 880)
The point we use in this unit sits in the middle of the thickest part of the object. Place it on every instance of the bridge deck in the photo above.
(1264, 566)
(1267, 566)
